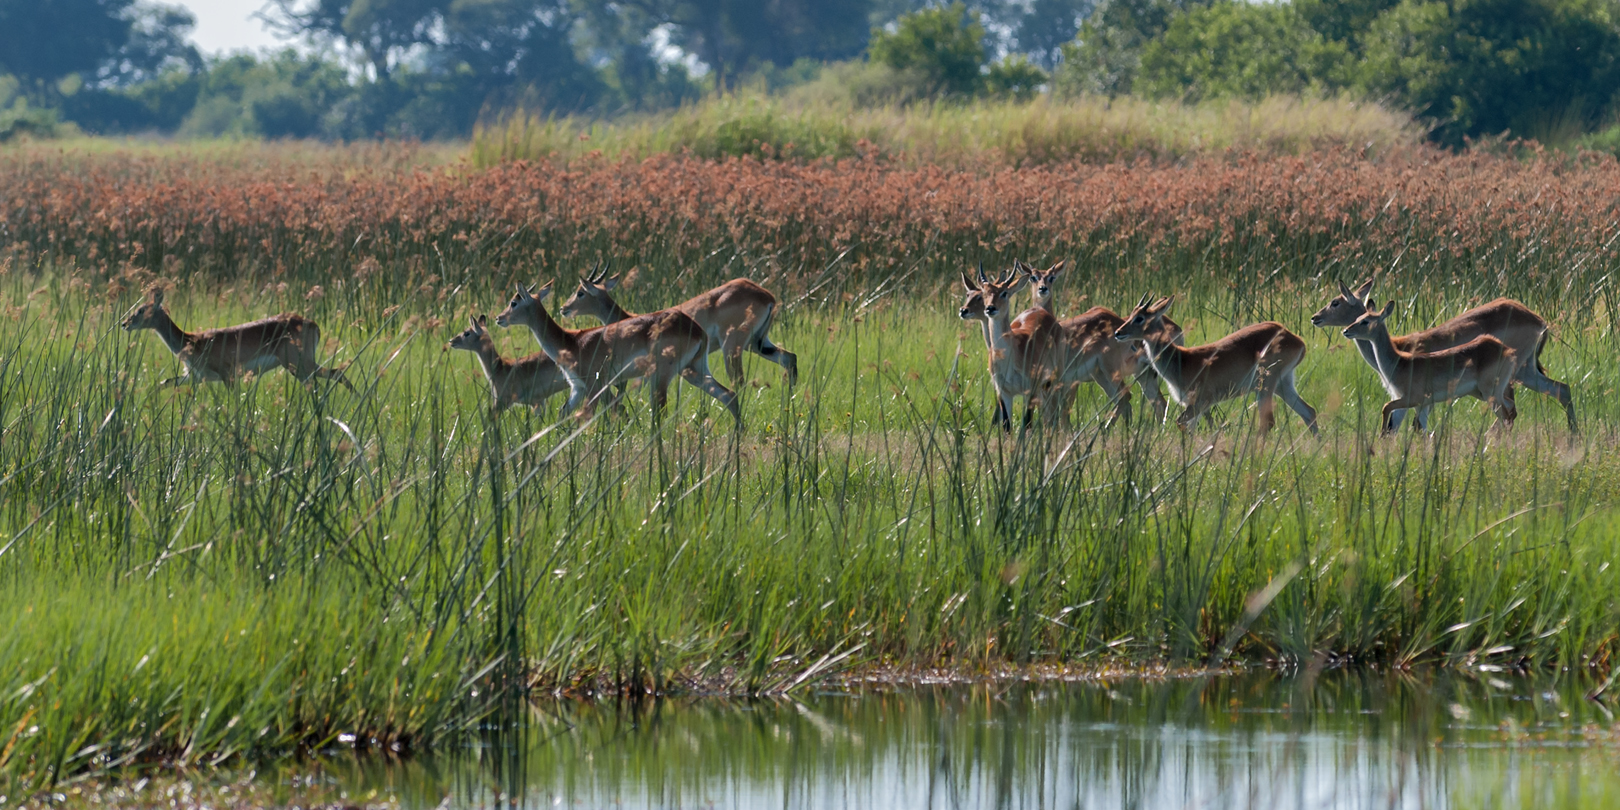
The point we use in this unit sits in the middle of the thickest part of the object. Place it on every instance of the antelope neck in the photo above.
(553, 338)
(1383, 350)
(489, 358)
(170, 332)
(616, 313)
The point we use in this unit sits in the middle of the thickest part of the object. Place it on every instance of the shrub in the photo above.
(1015, 77)
(944, 44)
(1487, 66)
(1240, 49)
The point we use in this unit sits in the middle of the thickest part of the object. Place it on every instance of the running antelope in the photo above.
(286, 340)
(735, 315)
(660, 344)
(529, 381)
(1505, 319)
(1260, 358)
(1092, 353)
(1023, 357)
(1481, 367)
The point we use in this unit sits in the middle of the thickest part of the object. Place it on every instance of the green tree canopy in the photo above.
(1240, 49)
(45, 40)
(944, 45)
(1488, 66)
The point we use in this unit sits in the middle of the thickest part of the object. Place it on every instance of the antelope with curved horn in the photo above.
(1481, 367)
(1091, 352)
(1262, 358)
(661, 345)
(225, 354)
(736, 316)
(1023, 358)
(1507, 320)
(528, 381)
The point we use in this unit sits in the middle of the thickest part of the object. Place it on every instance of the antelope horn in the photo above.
(982, 278)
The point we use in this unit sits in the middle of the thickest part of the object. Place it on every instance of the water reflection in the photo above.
(1342, 740)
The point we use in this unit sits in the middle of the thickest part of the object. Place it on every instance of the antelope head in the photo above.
(1346, 307)
(147, 315)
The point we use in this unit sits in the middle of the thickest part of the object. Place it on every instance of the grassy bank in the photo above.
(1015, 133)
(217, 574)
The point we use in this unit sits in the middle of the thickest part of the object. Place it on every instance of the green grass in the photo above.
(1041, 131)
(215, 573)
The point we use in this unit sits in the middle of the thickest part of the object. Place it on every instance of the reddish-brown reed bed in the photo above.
(1542, 227)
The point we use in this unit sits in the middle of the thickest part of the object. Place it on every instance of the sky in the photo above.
(229, 25)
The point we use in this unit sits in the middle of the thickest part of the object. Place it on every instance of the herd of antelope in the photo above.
(1033, 355)
(731, 319)
(1479, 353)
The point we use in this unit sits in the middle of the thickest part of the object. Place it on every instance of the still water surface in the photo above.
(1338, 740)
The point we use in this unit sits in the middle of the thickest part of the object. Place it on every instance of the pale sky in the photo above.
(229, 25)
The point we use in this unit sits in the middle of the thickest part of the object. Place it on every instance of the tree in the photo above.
(944, 45)
(381, 31)
(1488, 66)
(730, 36)
(1043, 29)
(159, 41)
(1105, 55)
(45, 40)
(1240, 49)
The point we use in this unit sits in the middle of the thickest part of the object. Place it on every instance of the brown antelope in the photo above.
(1091, 352)
(1023, 359)
(1505, 319)
(735, 315)
(1261, 358)
(661, 344)
(529, 381)
(225, 354)
(1481, 367)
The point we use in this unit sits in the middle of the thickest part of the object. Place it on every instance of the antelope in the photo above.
(1505, 319)
(660, 344)
(529, 381)
(1023, 358)
(1092, 354)
(735, 316)
(1262, 358)
(225, 354)
(1481, 367)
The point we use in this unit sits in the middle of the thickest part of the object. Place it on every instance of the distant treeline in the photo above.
(1548, 69)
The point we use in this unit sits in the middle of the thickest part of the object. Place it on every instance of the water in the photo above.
(1340, 740)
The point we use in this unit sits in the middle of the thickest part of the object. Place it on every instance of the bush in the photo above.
(944, 44)
(1240, 49)
(1015, 77)
(1488, 66)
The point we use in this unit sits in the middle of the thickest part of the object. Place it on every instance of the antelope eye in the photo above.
(1335, 303)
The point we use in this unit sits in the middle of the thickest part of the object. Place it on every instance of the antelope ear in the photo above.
(1016, 282)
(1344, 290)
(545, 290)
(967, 283)
(1162, 306)
(1366, 288)
(1388, 308)
(483, 321)
(1057, 268)
(472, 323)
(157, 295)
(610, 283)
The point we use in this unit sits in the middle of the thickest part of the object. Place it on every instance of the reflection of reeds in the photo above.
(308, 563)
